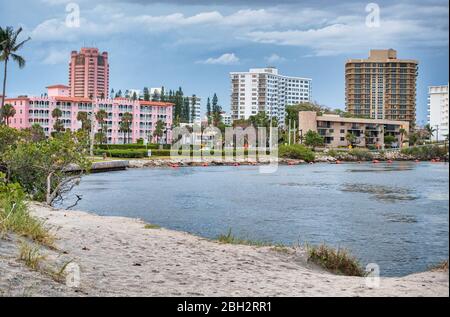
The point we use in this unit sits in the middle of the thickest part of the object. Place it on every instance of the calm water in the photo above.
(393, 215)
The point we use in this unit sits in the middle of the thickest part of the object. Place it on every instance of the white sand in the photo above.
(119, 257)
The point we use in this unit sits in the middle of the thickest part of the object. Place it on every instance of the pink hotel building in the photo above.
(31, 110)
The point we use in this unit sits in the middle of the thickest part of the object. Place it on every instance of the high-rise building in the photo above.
(196, 119)
(89, 74)
(438, 110)
(264, 90)
(382, 87)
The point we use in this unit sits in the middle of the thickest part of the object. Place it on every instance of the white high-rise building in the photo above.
(197, 119)
(226, 119)
(438, 110)
(264, 90)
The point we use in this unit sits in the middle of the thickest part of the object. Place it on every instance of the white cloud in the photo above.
(56, 57)
(275, 58)
(225, 59)
(333, 30)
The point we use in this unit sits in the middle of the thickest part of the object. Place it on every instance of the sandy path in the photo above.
(119, 257)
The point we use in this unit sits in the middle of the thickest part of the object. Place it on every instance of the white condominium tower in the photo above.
(264, 90)
(438, 110)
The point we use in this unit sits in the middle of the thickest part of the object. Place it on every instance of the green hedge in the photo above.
(296, 151)
(132, 146)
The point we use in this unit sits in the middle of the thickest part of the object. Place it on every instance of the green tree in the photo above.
(9, 46)
(162, 96)
(7, 112)
(389, 139)
(58, 126)
(41, 167)
(85, 121)
(313, 139)
(125, 125)
(146, 94)
(208, 110)
(35, 133)
(430, 131)
(101, 116)
(155, 96)
(351, 138)
(134, 97)
(403, 133)
(159, 130)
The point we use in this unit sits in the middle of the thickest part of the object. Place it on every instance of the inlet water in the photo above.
(395, 215)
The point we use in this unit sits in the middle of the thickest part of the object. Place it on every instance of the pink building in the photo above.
(89, 73)
(31, 110)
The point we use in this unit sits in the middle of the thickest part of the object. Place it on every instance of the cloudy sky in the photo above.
(196, 43)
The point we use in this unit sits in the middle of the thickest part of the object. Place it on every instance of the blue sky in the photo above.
(195, 44)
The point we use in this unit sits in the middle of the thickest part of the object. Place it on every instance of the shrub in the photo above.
(336, 261)
(296, 151)
(361, 154)
(15, 217)
(425, 152)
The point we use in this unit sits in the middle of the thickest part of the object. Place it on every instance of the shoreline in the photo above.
(176, 163)
(118, 256)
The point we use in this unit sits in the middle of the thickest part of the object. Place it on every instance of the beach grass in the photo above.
(151, 226)
(230, 238)
(30, 255)
(338, 261)
(440, 267)
(15, 217)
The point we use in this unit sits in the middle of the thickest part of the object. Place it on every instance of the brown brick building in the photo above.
(382, 87)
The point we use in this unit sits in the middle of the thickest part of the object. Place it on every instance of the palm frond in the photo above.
(19, 60)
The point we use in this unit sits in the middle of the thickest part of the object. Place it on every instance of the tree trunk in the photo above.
(4, 86)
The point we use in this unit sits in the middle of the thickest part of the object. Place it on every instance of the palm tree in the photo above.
(8, 48)
(430, 130)
(351, 138)
(159, 130)
(58, 126)
(403, 133)
(6, 112)
(125, 125)
(85, 123)
(100, 116)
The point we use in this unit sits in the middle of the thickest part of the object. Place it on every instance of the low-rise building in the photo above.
(38, 110)
(368, 132)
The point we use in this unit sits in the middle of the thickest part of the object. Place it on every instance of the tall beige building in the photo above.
(89, 74)
(382, 87)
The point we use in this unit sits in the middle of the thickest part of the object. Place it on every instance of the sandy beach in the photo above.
(120, 257)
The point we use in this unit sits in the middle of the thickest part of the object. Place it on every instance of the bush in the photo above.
(361, 154)
(426, 152)
(296, 151)
(15, 217)
(337, 261)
